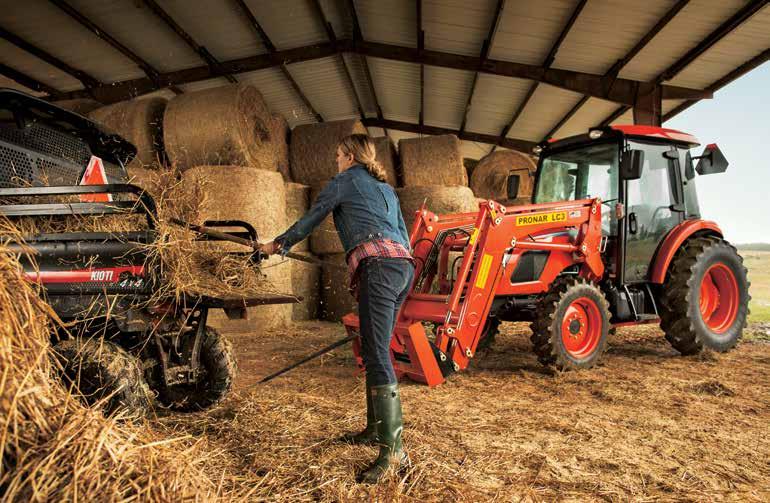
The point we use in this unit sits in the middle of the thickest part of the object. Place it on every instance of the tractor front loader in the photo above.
(613, 238)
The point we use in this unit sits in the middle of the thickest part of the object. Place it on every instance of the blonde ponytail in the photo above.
(364, 152)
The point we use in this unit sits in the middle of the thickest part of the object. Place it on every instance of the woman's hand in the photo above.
(269, 248)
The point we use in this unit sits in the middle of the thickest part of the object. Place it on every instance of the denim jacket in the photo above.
(363, 208)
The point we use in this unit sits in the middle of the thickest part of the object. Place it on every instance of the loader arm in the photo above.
(491, 241)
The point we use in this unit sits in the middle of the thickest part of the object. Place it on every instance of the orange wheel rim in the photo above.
(719, 298)
(581, 328)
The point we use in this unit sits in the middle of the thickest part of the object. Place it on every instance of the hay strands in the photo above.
(206, 231)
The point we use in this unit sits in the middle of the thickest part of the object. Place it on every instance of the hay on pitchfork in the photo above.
(432, 160)
(228, 125)
(141, 123)
(313, 149)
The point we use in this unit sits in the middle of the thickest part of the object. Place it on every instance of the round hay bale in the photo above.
(336, 300)
(80, 106)
(228, 125)
(470, 165)
(432, 160)
(141, 123)
(305, 283)
(490, 178)
(439, 200)
(313, 149)
(279, 135)
(324, 239)
(297, 204)
(386, 155)
(255, 196)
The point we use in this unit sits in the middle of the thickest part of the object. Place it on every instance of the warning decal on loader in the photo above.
(542, 218)
(486, 263)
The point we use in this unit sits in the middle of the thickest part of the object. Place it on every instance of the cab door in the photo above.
(653, 208)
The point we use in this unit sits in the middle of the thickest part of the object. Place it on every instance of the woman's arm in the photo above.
(325, 202)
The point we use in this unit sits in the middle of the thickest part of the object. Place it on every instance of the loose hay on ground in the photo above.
(506, 429)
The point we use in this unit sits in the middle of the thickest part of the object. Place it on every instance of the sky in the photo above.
(738, 120)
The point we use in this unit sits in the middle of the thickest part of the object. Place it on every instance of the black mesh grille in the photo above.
(15, 167)
(48, 141)
(54, 173)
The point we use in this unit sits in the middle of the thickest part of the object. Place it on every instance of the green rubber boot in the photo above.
(387, 413)
(369, 435)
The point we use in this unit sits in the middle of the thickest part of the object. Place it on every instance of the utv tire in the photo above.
(491, 329)
(102, 370)
(705, 297)
(219, 370)
(571, 324)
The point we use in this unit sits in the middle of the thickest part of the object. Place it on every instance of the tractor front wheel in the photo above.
(705, 297)
(571, 324)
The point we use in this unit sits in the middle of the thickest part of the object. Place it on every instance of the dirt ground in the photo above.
(646, 425)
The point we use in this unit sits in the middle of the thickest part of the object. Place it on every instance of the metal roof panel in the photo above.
(397, 85)
(324, 84)
(288, 23)
(457, 26)
(547, 106)
(591, 114)
(388, 21)
(448, 91)
(38, 69)
(494, 103)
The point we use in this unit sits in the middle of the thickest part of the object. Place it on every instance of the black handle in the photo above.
(633, 226)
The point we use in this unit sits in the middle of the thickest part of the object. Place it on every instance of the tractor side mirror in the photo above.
(512, 186)
(711, 161)
(631, 164)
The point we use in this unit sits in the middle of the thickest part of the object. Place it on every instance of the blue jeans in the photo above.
(383, 285)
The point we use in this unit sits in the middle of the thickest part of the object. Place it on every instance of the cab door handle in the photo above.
(633, 226)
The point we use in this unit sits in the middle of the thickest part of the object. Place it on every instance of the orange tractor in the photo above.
(613, 237)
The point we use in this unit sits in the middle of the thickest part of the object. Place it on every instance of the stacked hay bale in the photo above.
(305, 277)
(433, 171)
(387, 157)
(491, 177)
(279, 136)
(141, 123)
(313, 153)
(255, 196)
(228, 125)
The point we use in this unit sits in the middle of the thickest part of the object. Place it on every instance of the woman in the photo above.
(369, 223)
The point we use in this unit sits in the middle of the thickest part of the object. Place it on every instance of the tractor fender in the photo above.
(674, 239)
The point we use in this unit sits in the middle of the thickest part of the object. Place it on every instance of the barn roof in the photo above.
(497, 73)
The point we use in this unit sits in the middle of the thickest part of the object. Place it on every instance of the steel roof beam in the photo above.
(621, 63)
(27, 81)
(420, 47)
(623, 91)
(485, 48)
(549, 59)
(512, 143)
(204, 53)
(86, 79)
(271, 49)
(148, 69)
(704, 45)
(357, 38)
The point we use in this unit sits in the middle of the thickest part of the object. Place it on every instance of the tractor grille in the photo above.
(15, 167)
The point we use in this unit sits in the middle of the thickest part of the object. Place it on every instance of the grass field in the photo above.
(758, 264)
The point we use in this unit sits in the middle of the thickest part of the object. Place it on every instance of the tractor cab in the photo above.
(644, 177)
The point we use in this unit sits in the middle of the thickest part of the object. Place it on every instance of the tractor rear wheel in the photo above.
(219, 367)
(102, 370)
(705, 298)
(571, 324)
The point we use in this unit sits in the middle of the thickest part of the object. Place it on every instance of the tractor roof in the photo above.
(658, 132)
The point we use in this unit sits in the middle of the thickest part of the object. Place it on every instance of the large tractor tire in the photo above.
(705, 298)
(571, 324)
(219, 368)
(488, 335)
(103, 372)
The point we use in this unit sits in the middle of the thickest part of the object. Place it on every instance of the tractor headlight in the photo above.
(595, 134)
(536, 150)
